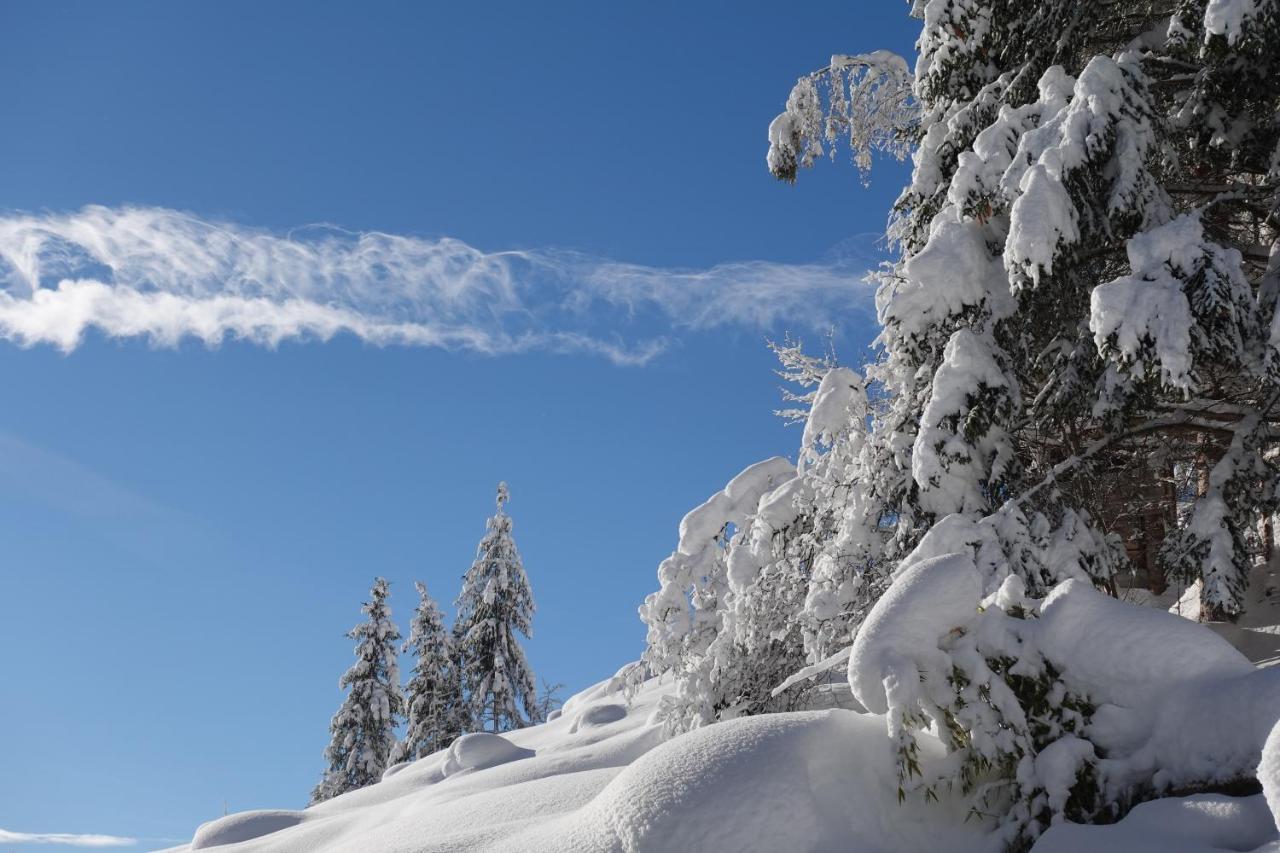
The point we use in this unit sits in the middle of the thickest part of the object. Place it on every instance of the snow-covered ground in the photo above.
(602, 777)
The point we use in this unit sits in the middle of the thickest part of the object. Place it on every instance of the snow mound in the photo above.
(481, 750)
(394, 769)
(598, 715)
(807, 781)
(244, 826)
(595, 693)
(1179, 706)
(1081, 629)
(1206, 823)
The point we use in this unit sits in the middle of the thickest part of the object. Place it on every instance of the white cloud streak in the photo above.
(65, 838)
(165, 276)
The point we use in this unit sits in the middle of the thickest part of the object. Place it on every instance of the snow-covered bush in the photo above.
(952, 645)
(687, 615)
(774, 571)
(1064, 705)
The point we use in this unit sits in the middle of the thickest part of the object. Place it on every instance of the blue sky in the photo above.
(188, 530)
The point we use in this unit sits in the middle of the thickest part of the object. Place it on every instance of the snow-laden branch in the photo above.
(864, 100)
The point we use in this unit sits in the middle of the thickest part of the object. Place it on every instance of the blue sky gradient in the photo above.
(189, 531)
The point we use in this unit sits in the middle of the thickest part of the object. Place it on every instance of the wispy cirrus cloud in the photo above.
(166, 276)
(67, 839)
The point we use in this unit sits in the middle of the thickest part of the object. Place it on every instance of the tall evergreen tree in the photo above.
(495, 604)
(363, 730)
(1089, 266)
(433, 692)
(1086, 288)
(463, 717)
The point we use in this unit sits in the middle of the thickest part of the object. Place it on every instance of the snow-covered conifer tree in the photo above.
(495, 604)
(1088, 273)
(363, 730)
(463, 717)
(433, 692)
(1086, 288)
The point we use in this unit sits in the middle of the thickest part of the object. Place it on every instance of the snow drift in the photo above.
(808, 781)
(602, 777)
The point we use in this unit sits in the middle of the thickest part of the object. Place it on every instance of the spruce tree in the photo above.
(494, 606)
(1086, 289)
(1088, 267)
(363, 730)
(433, 691)
(463, 717)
